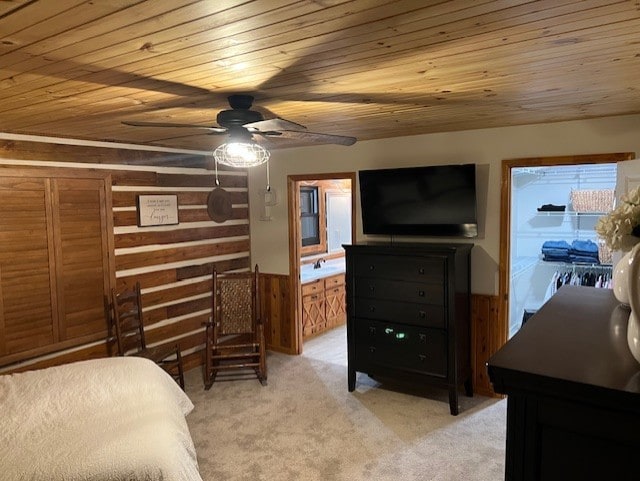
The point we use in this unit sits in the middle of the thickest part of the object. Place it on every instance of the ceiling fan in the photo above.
(241, 124)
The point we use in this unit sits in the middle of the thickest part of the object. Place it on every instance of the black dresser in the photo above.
(408, 310)
(573, 408)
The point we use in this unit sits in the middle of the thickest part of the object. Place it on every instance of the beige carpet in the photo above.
(305, 425)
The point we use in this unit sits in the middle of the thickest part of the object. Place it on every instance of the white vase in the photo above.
(621, 278)
(633, 335)
(632, 268)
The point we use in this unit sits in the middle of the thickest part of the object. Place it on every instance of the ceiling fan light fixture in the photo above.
(241, 154)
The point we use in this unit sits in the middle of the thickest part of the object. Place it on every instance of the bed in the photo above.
(111, 419)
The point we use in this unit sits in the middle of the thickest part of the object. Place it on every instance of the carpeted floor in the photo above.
(305, 425)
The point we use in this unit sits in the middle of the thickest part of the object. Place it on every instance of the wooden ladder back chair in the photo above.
(235, 333)
(129, 330)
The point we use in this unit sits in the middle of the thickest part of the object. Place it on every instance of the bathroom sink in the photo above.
(326, 269)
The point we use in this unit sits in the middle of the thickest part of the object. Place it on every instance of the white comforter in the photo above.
(99, 420)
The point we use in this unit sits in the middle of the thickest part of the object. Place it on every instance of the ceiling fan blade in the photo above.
(276, 124)
(217, 130)
(317, 137)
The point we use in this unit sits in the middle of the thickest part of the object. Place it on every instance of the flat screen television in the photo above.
(435, 200)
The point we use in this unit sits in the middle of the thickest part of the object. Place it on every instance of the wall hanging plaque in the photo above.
(157, 210)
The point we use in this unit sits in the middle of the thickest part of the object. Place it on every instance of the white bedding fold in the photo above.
(105, 420)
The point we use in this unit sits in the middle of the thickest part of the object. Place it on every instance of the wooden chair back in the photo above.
(235, 303)
(235, 334)
(127, 320)
(128, 325)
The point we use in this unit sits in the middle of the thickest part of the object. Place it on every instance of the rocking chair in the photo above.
(129, 330)
(235, 332)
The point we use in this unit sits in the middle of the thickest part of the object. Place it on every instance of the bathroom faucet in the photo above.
(316, 264)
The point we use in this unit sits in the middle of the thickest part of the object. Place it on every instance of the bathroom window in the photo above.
(309, 216)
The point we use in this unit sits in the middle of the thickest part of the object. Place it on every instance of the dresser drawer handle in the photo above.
(422, 314)
(421, 293)
(372, 349)
(372, 267)
(372, 331)
(423, 338)
(422, 357)
(421, 271)
(372, 288)
(372, 308)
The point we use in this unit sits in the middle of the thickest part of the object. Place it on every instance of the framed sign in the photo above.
(157, 210)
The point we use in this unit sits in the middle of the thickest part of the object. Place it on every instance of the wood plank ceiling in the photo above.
(363, 68)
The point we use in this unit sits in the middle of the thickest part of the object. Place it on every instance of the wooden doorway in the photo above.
(295, 238)
(504, 268)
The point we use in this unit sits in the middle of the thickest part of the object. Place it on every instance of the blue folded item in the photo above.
(556, 258)
(580, 251)
(584, 259)
(555, 252)
(556, 245)
(584, 247)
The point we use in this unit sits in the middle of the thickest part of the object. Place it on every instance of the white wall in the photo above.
(485, 147)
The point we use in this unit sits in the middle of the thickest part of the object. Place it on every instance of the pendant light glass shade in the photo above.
(241, 154)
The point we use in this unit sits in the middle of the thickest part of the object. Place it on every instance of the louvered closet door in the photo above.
(80, 237)
(27, 310)
(55, 272)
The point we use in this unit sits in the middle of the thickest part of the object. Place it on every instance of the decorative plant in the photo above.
(620, 229)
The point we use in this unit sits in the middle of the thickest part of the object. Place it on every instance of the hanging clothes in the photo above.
(593, 276)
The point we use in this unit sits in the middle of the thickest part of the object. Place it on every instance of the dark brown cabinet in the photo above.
(408, 310)
(573, 408)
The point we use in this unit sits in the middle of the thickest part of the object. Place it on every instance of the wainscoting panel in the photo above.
(486, 339)
(277, 310)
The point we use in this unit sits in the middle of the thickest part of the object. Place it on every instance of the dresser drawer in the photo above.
(387, 289)
(409, 348)
(407, 268)
(426, 315)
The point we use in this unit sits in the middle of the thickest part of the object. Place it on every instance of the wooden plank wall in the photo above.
(172, 263)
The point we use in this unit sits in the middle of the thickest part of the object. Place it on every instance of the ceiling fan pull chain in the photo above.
(268, 183)
(217, 180)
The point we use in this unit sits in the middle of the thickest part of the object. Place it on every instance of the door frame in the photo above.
(504, 267)
(294, 241)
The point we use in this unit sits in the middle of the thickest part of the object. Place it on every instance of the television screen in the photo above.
(429, 201)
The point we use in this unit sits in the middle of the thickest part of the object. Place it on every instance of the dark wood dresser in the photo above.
(408, 310)
(573, 408)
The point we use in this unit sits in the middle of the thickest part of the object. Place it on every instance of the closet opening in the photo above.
(554, 210)
(550, 207)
